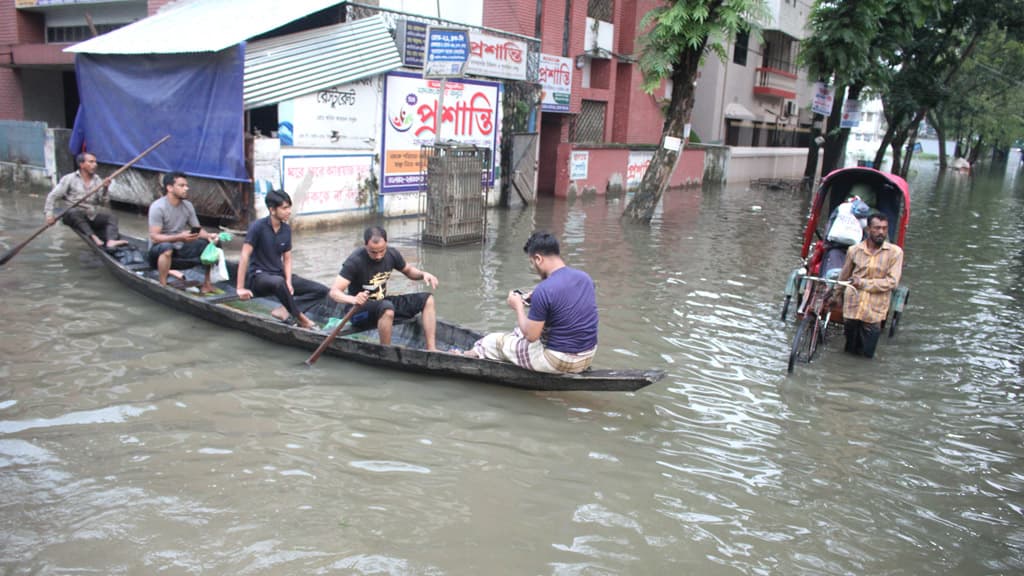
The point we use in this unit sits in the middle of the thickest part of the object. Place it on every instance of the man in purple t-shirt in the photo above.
(559, 332)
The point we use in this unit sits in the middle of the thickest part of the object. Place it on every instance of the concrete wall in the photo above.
(746, 163)
(607, 169)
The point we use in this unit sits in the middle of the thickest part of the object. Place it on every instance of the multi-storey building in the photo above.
(756, 102)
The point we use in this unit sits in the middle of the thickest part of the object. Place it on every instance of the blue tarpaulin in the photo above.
(128, 102)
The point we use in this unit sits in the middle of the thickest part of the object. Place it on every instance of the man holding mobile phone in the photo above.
(176, 240)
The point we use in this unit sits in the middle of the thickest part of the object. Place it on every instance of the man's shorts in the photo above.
(406, 307)
(182, 258)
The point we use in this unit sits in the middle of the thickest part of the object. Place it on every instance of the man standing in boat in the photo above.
(873, 268)
(87, 219)
(175, 238)
(559, 333)
(363, 281)
(265, 266)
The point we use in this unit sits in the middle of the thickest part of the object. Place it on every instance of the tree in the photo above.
(932, 61)
(849, 46)
(984, 102)
(681, 31)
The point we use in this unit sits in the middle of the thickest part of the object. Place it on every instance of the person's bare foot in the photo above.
(207, 288)
(115, 243)
(306, 323)
(281, 313)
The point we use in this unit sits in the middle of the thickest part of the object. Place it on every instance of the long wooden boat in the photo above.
(405, 353)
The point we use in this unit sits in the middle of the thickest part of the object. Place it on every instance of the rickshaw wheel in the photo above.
(805, 342)
(893, 323)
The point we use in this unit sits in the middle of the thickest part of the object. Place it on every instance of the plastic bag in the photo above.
(219, 273)
(845, 228)
(210, 254)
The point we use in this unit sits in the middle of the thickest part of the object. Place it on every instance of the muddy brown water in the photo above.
(136, 440)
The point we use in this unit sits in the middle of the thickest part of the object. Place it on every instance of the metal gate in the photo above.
(453, 193)
(523, 176)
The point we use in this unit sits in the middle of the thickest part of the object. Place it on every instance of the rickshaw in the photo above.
(815, 287)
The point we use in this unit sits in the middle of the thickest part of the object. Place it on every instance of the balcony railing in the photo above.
(775, 83)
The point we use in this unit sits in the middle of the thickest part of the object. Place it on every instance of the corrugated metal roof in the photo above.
(289, 66)
(200, 26)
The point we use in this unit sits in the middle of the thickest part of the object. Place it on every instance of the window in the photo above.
(739, 55)
(588, 125)
(68, 34)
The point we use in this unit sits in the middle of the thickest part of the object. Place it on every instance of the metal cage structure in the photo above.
(453, 193)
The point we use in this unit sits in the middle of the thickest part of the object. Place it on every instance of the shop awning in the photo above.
(737, 110)
(285, 67)
(200, 26)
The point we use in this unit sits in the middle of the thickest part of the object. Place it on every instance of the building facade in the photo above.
(37, 81)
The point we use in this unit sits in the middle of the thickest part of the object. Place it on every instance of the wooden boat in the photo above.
(406, 353)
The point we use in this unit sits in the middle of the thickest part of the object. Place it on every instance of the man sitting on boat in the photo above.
(175, 238)
(559, 334)
(265, 266)
(87, 219)
(873, 268)
(363, 282)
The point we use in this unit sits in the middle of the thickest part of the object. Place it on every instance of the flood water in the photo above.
(137, 440)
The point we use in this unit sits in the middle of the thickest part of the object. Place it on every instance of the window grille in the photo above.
(588, 125)
(600, 9)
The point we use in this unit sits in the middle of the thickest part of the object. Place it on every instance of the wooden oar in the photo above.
(14, 251)
(330, 337)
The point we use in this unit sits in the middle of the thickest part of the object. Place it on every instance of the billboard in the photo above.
(471, 117)
(555, 77)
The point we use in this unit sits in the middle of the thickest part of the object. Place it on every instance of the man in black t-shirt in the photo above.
(363, 281)
(265, 266)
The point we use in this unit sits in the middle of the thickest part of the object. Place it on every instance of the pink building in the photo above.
(611, 126)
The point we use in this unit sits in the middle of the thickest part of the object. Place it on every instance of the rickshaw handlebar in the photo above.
(842, 283)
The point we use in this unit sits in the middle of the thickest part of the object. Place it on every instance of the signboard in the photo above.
(822, 102)
(336, 182)
(412, 42)
(447, 52)
(636, 168)
(555, 77)
(851, 114)
(471, 116)
(496, 57)
(579, 161)
(340, 117)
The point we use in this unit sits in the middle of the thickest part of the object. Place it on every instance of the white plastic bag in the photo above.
(845, 229)
(219, 272)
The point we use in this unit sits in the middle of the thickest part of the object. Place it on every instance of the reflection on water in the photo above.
(134, 439)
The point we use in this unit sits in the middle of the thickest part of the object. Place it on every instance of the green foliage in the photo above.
(686, 25)
(983, 103)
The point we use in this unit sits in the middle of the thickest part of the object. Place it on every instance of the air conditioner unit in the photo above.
(789, 108)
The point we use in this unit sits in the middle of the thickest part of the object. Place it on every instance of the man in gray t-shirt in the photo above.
(175, 238)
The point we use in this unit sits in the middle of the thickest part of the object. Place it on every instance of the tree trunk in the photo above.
(941, 134)
(880, 154)
(897, 153)
(663, 164)
(834, 144)
(976, 151)
(915, 124)
(811, 167)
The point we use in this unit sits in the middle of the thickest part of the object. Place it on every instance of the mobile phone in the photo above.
(523, 295)
(196, 229)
